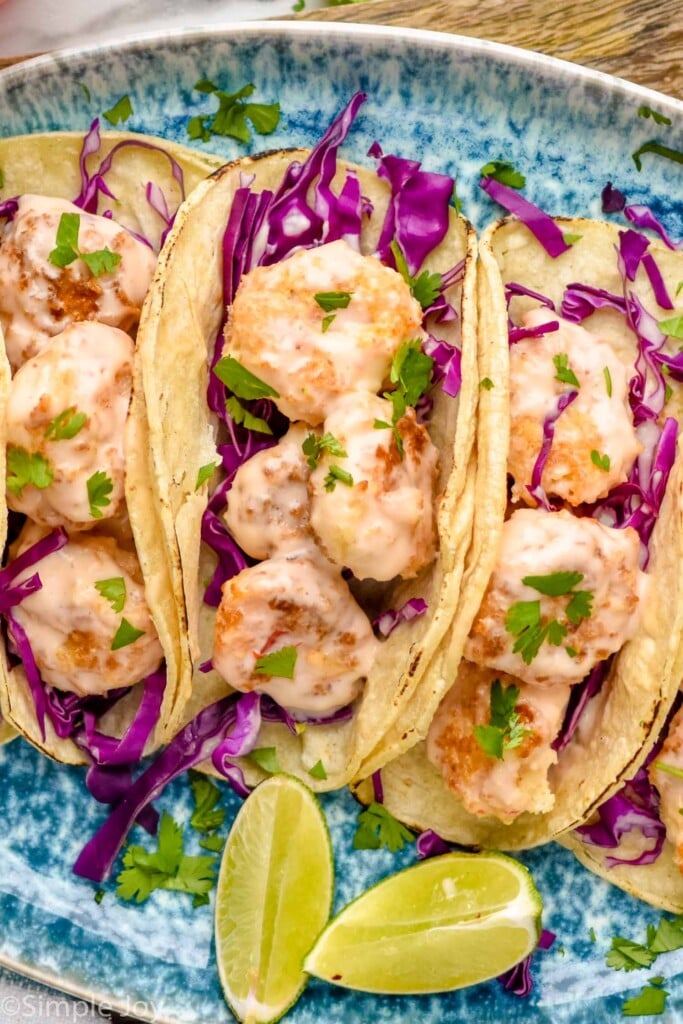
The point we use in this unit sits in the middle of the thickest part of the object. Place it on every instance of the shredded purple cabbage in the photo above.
(580, 300)
(516, 334)
(9, 207)
(513, 288)
(418, 213)
(580, 695)
(518, 980)
(430, 844)
(386, 623)
(636, 806)
(613, 201)
(377, 788)
(643, 217)
(447, 366)
(535, 488)
(537, 220)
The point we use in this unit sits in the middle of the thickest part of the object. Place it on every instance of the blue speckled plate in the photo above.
(453, 103)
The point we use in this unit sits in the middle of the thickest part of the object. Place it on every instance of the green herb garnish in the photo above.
(336, 473)
(645, 111)
(266, 759)
(243, 417)
(318, 771)
(205, 473)
(486, 383)
(600, 461)
(377, 828)
(27, 468)
(206, 817)
(649, 1002)
(608, 381)
(504, 172)
(505, 730)
(426, 287)
(66, 425)
(114, 591)
(99, 487)
(241, 381)
(329, 301)
(102, 261)
(564, 372)
(669, 769)
(167, 867)
(672, 327)
(125, 635)
(233, 114)
(659, 149)
(314, 447)
(120, 112)
(279, 663)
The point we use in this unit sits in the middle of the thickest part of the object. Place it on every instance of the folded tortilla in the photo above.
(181, 319)
(48, 164)
(619, 724)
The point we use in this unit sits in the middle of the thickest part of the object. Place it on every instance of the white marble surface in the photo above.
(33, 26)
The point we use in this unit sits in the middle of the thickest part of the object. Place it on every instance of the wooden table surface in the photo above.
(641, 40)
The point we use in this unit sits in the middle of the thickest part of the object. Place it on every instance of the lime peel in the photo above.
(274, 896)
(440, 925)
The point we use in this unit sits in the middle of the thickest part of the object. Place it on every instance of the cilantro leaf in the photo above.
(279, 663)
(645, 111)
(114, 591)
(378, 828)
(669, 769)
(26, 468)
(564, 373)
(205, 473)
(318, 771)
(125, 635)
(196, 128)
(659, 149)
(102, 261)
(206, 817)
(337, 473)
(504, 172)
(556, 632)
(425, 288)
(650, 1002)
(580, 606)
(313, 448)
(214, 843)
(490, 739)
(332, 300)
(668, 936)
(672, 327)
(241, 381)
(505, 731)
(99, 487)
(411, 369)
(244, 417)
(66, 250)
(265, 758)
(121, 111)
(522, 615)
(626, 955)
(233, 114)
(555, 584)
(600, 461)
(608, 381)
(66, 425)
(486, 383)
(327, 322)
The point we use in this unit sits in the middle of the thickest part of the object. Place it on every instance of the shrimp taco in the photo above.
(315, 453)
(94, 668)
(573, 657)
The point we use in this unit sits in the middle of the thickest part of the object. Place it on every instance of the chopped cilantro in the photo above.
(556, 633)
(313, 448)
(244, 417)
(425, 288)
(265, 758)
(591, 935)
(659, 149)
(299, 5)
(114, 591)
(66, 425)
(241, 381)
(626, 955)
(668, 935)
(411, 370)
(580, 606)
(66, 250)
(608, 381)
(206, 817)
(505, 730)
(99, 896)
(214, 843)
(457, 201)
(85, 90)
(504, 172)
(600, 461)
(672, 327)
(167, 867)
(377, 828)
(555, 584)
(279, 663)
(26, 468)
(669, 769)
(99, 487)
(205, 473)
(332, 300)
(645, 111)
(569, 238)
(336, 473)
(233, 114)
(564, 372)
(327, 322)
(486, 383)
(125, 635)
(318, 771)
(120, 112)
(649, 1002)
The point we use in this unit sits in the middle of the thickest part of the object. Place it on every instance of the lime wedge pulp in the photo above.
(273, 899)
(440, 925)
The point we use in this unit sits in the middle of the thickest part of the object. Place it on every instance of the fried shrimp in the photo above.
(66, 414)
(39, 298)
(268, 509)
(594, 444)
(670, 786)
(372, 509)
(579, 604)
(506, 772)
(323, 322)
(84, 640)
(297, 605)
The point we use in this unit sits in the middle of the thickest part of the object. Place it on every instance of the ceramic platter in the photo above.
(453, 103)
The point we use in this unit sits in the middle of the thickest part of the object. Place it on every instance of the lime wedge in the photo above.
(273, 899)
(448, 922)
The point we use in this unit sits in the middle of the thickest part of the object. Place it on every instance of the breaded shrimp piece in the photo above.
(67, 406)
(485, 783)
(578, 627)
(594, 444)
(294, 601)
(379, 519)
(38, 298)
(71, 625)
(309, 352)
